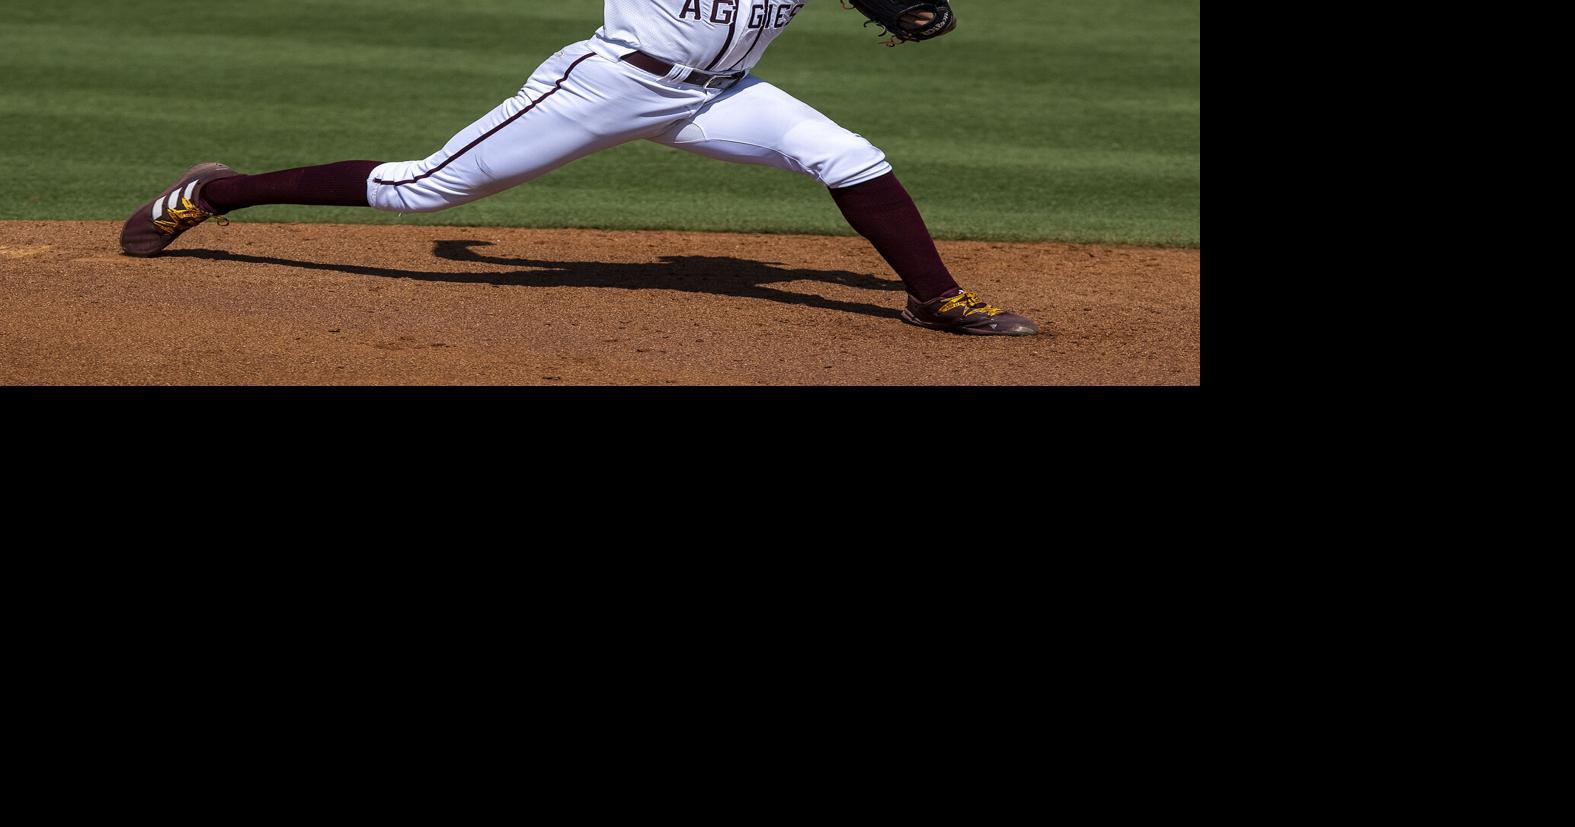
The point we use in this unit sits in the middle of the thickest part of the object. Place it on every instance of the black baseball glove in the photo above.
(908, 21)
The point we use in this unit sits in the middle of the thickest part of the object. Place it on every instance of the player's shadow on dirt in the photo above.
(714, 275)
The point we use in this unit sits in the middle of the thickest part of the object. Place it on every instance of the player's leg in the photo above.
(548, 124)
(757, 123)
(575, 104)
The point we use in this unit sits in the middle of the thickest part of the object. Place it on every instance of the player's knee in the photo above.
(414, 202)
(855, 168)
(408, 200)
(838, 158)
(412, 188)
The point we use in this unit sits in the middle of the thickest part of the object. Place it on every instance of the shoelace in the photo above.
(971, 304)
(180, 219)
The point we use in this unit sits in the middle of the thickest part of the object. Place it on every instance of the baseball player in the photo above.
(677, 72)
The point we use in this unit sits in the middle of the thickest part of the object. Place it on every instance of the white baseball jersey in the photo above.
(711, 35)
(585, 99)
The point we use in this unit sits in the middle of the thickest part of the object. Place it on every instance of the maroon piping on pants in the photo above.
(493, 131)
(727, 44)
(758, 35)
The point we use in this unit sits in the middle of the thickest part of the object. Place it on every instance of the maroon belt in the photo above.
(696, 77)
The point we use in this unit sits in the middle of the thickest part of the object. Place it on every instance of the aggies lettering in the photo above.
(724, 12)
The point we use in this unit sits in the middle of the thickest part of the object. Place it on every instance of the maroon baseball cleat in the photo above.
(961, 311)
(177, 209)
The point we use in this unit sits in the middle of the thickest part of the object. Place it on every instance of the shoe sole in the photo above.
(908, 317)
(145, 212)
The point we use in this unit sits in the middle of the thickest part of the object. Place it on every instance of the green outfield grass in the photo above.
(1068, 120)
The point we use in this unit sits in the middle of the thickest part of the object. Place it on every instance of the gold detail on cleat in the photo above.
(182, 218)
(971, 304)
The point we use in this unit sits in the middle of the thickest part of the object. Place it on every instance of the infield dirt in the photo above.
(317, 304)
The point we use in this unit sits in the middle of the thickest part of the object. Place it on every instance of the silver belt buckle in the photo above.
(730, 79)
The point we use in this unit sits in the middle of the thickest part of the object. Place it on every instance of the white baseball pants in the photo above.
(580, 102)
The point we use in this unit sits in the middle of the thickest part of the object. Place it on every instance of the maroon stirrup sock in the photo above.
(882, 211)
(330, 185)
